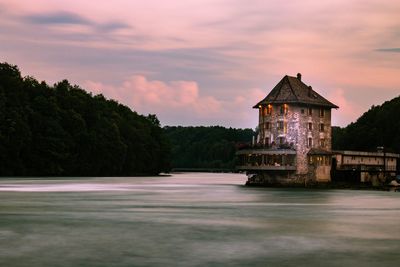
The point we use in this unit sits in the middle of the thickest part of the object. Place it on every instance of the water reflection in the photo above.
(193, 220)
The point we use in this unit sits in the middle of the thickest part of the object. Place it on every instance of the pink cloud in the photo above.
(182, 101)
(152, 96)
(348, 111)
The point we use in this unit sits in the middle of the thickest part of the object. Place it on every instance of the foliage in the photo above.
(379, 126)
(63, 130)
(205, 147)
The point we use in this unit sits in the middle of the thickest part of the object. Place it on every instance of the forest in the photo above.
(379, 126)
(62, 130)
(203, 147)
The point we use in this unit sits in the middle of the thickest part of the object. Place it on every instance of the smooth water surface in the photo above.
(193, 219)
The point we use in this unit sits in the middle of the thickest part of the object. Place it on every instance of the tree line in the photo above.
(379, 126)
(203, 147)
(63, 130)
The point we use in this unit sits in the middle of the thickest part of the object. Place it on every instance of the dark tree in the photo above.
(63, 130)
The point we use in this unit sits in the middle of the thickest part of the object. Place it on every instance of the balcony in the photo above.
(258, 159)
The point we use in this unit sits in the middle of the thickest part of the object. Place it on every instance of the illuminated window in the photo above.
(284, 109)
(269, 109)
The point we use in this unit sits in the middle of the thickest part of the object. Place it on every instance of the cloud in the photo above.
(181, 102)
(348, 111)
(179, 98)
(60, 17)
(392, 50)
(113, 26)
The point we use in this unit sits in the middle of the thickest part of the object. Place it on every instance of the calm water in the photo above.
(193, 220)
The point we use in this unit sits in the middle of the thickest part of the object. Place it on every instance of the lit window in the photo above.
(284, 109)
(269, 109)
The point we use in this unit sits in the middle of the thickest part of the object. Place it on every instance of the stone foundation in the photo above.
(280, 178)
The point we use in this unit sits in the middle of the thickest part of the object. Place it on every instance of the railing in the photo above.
(266, 167)
(368, 168)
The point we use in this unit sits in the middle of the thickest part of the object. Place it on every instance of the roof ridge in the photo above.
(291, 88)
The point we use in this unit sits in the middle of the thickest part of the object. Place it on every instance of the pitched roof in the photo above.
(293, 90)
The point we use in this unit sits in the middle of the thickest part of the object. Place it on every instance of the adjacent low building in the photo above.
(364, 167)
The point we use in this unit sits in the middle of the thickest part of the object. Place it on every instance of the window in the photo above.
(309, 142)
(322, 142)
(321, 112)
(269, 109)
(266, 140)
(310, 126)
(321, 127)
(267, 125)
(284, 109)
(309, 111)
(302, 111)
(280, 125)
(281, 140)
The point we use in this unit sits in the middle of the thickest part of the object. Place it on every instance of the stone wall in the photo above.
(296, 130)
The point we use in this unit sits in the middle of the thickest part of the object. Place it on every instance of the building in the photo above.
(364, 167)
(293, 144)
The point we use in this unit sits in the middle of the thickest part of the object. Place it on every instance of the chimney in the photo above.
(299, 76)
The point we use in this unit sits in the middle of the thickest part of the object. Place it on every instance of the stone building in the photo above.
(293, 144)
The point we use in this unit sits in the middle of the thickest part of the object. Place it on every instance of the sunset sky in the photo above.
(207, 62)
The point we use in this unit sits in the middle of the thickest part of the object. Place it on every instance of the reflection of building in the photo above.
(293, 144)
(294, 138)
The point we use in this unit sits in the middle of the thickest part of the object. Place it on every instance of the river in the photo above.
(192, 219)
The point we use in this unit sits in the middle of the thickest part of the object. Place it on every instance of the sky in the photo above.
(207, 62)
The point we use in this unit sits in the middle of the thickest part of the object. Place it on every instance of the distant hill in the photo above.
(379, 126)
(62, 130)
(211, 147)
